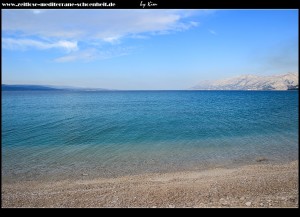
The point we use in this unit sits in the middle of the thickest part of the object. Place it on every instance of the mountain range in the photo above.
(288, 81)
(21, 87)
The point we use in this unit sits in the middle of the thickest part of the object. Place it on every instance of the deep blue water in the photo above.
(63, 134)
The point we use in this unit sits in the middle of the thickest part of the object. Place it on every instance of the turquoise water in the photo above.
(63, 134)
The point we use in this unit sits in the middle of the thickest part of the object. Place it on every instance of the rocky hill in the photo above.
(287, 81)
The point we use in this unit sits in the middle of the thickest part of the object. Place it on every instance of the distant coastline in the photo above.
(20, 87)
(288, 81)
(6, 87)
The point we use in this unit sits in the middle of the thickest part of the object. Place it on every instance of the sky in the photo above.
(145, 49)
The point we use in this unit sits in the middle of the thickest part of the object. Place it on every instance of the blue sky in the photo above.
(145, 49)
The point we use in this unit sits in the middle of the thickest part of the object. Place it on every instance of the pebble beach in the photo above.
(260, 185)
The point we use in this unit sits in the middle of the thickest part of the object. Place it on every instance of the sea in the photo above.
(58, 135)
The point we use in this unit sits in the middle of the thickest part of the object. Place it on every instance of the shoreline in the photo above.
(257, 185)
(61, 172)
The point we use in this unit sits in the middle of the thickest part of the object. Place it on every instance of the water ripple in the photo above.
(62, 134)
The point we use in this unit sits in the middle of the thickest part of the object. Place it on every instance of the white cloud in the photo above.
(23, 44)
(45, 29)
(96, 24)
(93, 54)
(193, 23)
(86, 55)
(212, 32)
(112, 40)
(68, 45)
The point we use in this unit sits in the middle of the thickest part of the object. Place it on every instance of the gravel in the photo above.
(260, 185)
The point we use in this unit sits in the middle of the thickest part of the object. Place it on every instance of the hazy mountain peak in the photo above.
(252, 82)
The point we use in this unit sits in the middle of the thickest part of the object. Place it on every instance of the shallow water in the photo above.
(63, 134)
